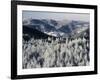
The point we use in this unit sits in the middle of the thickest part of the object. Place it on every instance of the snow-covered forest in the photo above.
(38, 53)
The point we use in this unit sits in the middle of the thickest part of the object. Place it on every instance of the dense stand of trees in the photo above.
(55, 52)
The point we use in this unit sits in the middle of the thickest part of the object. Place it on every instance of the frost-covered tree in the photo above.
(56, 53)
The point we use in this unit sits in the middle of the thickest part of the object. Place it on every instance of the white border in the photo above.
(21, 71)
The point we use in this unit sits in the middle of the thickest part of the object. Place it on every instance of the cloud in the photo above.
(55, 15)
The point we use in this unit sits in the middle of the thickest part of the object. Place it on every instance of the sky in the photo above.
(55, 15)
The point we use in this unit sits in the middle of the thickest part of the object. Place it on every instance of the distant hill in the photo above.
(55, 28)
(29, 32)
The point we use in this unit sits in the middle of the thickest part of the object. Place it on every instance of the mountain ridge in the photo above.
(49, 27)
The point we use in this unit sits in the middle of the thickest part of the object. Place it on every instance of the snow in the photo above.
(38, 54)
(79, 30)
